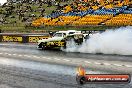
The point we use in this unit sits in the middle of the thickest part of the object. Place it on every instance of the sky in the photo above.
(3, 1)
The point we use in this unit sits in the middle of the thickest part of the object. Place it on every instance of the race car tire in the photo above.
(43, 46)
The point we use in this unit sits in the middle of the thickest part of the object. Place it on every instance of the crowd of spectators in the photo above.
(81, 8)
(25, 11)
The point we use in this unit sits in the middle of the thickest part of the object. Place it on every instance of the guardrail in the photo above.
(23, 37)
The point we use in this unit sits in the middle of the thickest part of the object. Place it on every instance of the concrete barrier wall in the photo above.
(22, 38)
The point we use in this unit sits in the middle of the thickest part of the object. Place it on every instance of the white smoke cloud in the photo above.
(117, 41)
(2, 1)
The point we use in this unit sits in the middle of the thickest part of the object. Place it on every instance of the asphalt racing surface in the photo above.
(25, 66)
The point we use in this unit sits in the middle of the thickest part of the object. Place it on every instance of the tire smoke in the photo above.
(117, 41)
(3, 1)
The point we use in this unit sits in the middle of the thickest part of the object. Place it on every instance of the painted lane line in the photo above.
(66, 60)
(117, 64)
(56, 59)
(128, 66)
(48, 58)
(9, 54)
(87, 62)
(97, 63)
(28, 56)
(106, 64)
(14, 54)
(37, 57)
(20, 55)
(43, 57)
(25, 55)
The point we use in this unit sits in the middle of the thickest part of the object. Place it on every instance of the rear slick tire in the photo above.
(43, 46)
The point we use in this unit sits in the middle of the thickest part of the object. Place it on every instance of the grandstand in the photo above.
(101, 13)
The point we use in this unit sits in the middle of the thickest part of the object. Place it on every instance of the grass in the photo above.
(80, 28)
(21, 28)
(30, 29)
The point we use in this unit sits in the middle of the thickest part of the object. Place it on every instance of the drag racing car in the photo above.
(62, 39)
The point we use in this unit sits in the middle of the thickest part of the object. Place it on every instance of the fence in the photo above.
(22, 38)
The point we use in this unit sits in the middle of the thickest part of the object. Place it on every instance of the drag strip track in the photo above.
(24, 66)
(39, 77)
(21, 77)
(32, 49)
